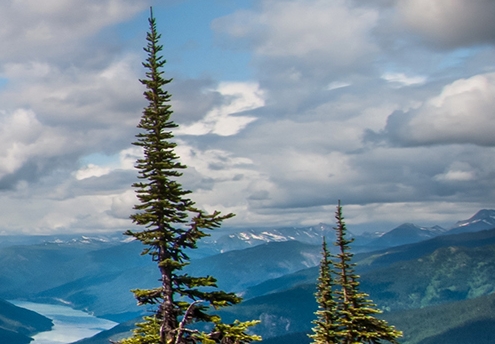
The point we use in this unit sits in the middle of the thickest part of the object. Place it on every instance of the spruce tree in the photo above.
(326, 329)
(169, 224)
(356, 312)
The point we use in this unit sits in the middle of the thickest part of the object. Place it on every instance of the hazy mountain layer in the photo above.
(17, 324)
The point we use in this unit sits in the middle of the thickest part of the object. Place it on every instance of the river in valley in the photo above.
(69, 325)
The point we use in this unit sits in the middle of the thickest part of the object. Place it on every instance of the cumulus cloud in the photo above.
(327, 33)
(277, 148)
(27, 143)
(32, 31)
(71, 95)
(462, 113)
(67, 113)
(91, 170)
(227, 119)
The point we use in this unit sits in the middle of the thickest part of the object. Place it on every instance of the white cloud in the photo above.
(403, 79)
(226, 120)
(91, 170)
(75, 94)
(278, 149)
(333, 31)
(23, 137)
(129, 156)
(457, 172)
(463, 112)
(455, 176)
(334, 85)
(122, 205)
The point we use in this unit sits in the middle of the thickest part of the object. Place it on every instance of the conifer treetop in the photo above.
(345, 314)
(169, 225)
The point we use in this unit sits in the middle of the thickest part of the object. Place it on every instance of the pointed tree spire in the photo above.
(169, 224)
(356, 311)
(345, 314)
(326, 325)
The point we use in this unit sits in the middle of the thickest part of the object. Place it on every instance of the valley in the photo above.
(411, 272)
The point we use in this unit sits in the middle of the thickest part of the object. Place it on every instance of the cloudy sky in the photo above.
(284, 107)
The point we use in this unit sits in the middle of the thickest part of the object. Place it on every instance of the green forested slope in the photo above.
(447, 275)
(466, 322)
(451, 269)
(379, 260)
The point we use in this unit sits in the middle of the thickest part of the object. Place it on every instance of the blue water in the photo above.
(69, 325)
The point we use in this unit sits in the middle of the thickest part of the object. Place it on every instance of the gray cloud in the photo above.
(462, 113)
(56, 29)
(346, 101)
(296, 40)
(193, 98)
(449, 23)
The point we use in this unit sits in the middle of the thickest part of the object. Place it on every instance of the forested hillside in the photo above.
(17, 324)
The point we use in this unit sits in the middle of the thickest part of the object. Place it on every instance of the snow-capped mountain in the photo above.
(483, 219)
(244, 238)
(407, 233)
(112, 238)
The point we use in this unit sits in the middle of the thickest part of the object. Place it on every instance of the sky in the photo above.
(284, 107)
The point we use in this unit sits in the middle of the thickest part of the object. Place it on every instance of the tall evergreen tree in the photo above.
(326, 329)
(356, 312)
(170, 225)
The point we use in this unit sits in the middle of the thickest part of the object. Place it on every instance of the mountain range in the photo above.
(269, 267)
(458, 267)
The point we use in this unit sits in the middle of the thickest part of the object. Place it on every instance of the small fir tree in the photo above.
(356, 312)
(326, 329)
(170, 224)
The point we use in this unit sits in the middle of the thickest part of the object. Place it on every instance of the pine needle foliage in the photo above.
(326, 329)
(169, 225)
(350, 316)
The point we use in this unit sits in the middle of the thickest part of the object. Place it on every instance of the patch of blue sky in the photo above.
(459, 56)
(189, 40)
(101, 159)
(3, 82)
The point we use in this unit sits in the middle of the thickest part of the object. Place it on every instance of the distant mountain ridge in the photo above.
(379, 260)
(111, 238)
(452, 268)
(249, 237)
(483, 219)
(96, 272)
(407, 233)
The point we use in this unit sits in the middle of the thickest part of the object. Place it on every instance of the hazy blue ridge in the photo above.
(425, 266)
(96, 274)
(369, 261)
(235, 270)
(18, 325)
(446, 275)
(121, 331)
